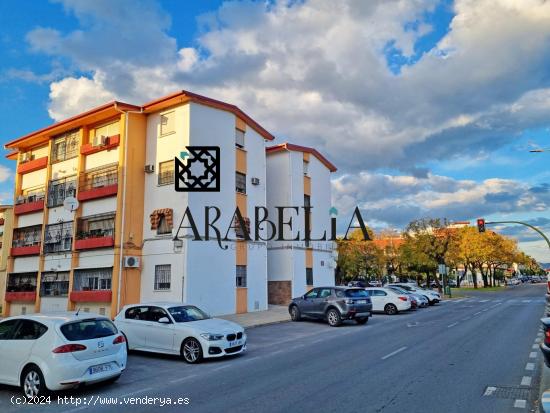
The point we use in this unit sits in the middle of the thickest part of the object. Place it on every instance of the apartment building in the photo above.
(6, 228)
(120, 241)
(299, 176)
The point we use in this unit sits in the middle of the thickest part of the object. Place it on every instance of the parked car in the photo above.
(181, 329)
(374, 283)
(333, 304)
(514, 281)
(545, 344)
(432, 296)
(43, 352)
(388, 300)
(421, 300)
(358, 284)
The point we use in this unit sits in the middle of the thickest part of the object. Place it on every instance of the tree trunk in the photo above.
(474, 274)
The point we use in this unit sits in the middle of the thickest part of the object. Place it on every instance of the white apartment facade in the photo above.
(298, 176)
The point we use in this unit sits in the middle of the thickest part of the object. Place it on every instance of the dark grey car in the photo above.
(333, 304)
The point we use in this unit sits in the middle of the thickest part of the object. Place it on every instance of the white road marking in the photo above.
(533, 355)
(520, 404)
(490, 390)
(535, 346)
(538, 340)
(221, 367)
(539, 334)
(526, 301)
(465, 318)
(530, 366)
(393, 353)
(184, 378)
(452, 325)
(479, 312)
(526, 381)
(483, 301)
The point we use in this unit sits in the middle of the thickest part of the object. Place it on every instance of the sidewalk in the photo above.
(275, 314)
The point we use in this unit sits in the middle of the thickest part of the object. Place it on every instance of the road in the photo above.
(466, 355)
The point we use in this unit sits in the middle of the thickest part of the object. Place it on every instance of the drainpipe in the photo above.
(123, 199)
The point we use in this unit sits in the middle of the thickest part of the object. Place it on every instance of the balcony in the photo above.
(92, 285)
(26, 241)
(95, 238)
(91, 296)
(32, 165)
(25, 250)
(23, 296)
(32, 200)
(98, 183)
(21, 287)
(108, 144)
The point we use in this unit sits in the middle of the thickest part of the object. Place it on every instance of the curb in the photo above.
(267, 324)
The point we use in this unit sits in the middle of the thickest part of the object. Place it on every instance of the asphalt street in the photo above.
(476, 354)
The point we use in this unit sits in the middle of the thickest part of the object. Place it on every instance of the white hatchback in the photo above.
(387, 300)
(41, 352)
(178, 328)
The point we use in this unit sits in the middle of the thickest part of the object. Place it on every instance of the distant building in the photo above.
(6, 229)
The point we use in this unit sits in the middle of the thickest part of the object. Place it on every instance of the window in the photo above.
(163, 227)
(167, 123)
(156, 313)
(58, 237)
(137, 313)
(29, 195)
(312, 294)
(239, 138)
(99, 134)
(241, 276)
(29, 330)
(306, 167)
(88, 329)
(379, 293)
(240, 182)
(7, 328)
(162, 276)
(357, 292)
(27, 236)
(325, 292)
(96, 226)
(60, 189)
(93, 279)
(54, 284)
(65, 146)
(183, 314)
(166, 173)
(309, 276)
(239, 231)
(307, 203)
(22, 282)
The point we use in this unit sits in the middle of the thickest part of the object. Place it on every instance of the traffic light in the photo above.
(481, 225)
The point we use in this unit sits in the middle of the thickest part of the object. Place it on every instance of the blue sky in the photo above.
(428, 108)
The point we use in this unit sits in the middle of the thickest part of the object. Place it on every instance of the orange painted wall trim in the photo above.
(305, 149)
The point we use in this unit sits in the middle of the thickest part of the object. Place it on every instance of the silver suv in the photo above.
(333, 304)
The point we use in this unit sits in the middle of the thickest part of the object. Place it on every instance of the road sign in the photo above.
(70, 203)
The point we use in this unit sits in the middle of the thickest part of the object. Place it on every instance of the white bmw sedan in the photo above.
(41, 352)
(178, 328)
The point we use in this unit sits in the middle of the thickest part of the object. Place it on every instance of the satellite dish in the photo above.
(70, 203)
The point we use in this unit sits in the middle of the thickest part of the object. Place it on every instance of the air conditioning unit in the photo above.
(131, 262)
(104, 140)
(26, 157)
(149, 169)
(20, 199)
(255, 181)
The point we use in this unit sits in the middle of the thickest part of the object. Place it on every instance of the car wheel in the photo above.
(362, 320)
(295, 313)
(33, 383)
(333, 317)
(390, 309)
(191, 350)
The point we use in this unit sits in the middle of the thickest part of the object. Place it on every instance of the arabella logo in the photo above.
(198, 170)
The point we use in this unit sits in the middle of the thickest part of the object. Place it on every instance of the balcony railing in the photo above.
(96, 231)
(29, 164)
(31, 200)
(26, 241)
(93, 285)
(107, 143)
(60, 189)
(58, 237)
(21, 287)
(98, 183)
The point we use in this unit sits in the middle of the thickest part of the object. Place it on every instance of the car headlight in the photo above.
(212, 337)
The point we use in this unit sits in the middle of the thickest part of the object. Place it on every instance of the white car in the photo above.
(41, 352)
(421, 299)
(432, 296)
(178, 328)
(387, 300)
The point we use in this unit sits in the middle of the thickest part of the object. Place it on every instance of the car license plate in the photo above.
(361, 301)
(235, 343)
(100, 368)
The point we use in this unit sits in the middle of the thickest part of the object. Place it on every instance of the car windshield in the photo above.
(88, 329)
(356, 293)
(400, 290)
(187, 313)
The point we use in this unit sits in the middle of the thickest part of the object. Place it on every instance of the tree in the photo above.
(358, 258)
